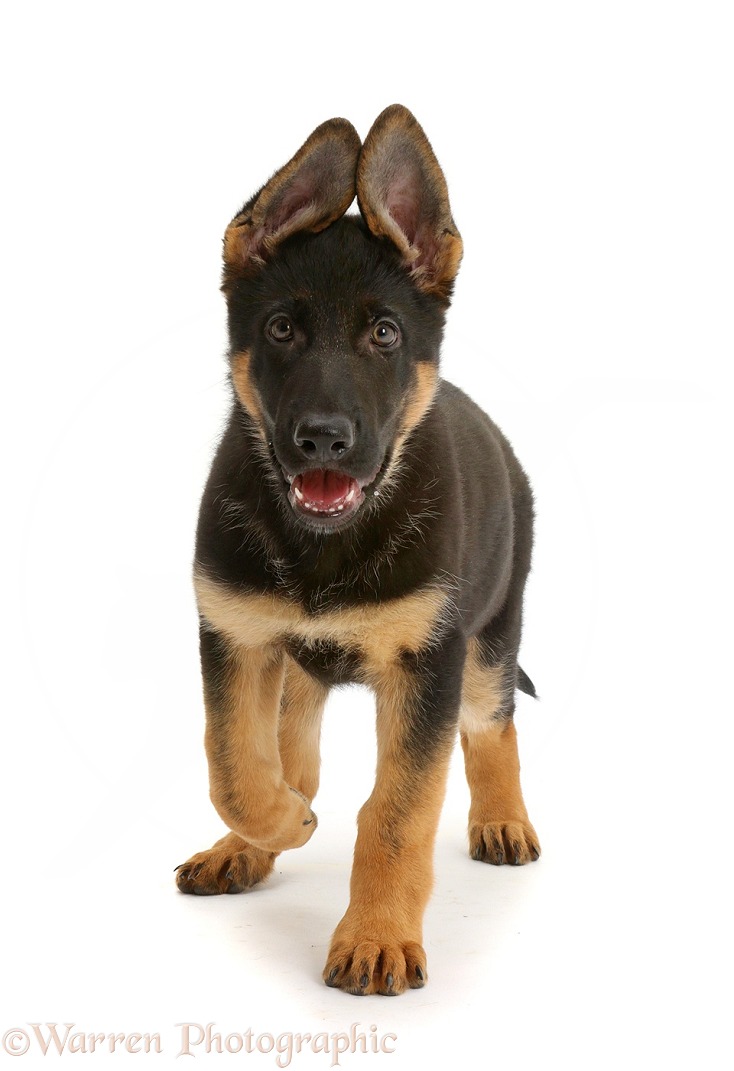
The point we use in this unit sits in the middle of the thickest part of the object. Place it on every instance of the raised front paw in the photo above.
(231, 866)
(515, 843)
(273, 821)
(370, 965)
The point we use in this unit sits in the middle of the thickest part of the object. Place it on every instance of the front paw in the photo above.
(372, 965)
(231, 866)
(273, 822)
(510, 842)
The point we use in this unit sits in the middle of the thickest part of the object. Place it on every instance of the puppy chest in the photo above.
(344, 638)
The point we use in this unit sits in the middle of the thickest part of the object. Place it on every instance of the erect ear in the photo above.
(316, 187)
(403, 196)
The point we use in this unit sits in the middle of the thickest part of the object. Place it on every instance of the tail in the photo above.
(525, 684)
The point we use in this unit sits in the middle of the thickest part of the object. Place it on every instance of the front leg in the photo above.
(377, 946)
(232, 865)
(242, 691)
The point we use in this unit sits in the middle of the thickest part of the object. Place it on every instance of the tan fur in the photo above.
(499, 828)
(419, 399)
(333, 147)
(245, 388)
(383, 158)
(483, 692)
(378, 630)
(233, 864)
(377, 946)
(264, 711)
(246, 780)
(299, 729)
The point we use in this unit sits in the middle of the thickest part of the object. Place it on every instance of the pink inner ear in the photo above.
(407, 210)
(301, 193)
(402, 201)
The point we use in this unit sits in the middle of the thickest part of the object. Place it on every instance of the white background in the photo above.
(588, 150)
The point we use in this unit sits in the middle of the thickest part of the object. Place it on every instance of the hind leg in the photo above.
(232, 865)
(499, 828)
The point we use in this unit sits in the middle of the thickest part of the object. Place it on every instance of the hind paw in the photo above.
(515, 843)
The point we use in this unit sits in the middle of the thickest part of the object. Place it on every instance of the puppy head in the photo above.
(336, 321)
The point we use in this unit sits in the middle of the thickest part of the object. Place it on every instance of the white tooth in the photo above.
(298, 493)
(340, 508)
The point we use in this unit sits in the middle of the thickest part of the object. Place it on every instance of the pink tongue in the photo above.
(324, 488)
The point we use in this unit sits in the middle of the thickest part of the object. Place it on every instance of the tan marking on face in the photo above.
(378, 630)
(418, 402)
(244, 387)
(420, 397)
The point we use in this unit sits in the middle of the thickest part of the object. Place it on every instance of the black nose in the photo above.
(324, 438)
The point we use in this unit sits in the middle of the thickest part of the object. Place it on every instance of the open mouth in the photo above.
(324, 495)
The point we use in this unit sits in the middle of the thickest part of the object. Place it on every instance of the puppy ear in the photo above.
(316, 187)
(403, 196)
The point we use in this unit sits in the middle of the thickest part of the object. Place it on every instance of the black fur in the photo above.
(460, 509)
(388, 523)
(457, 509)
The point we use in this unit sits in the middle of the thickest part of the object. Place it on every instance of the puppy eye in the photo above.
(385, 334)
(279, 329)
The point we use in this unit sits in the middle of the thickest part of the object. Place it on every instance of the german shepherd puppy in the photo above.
(363, 522)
